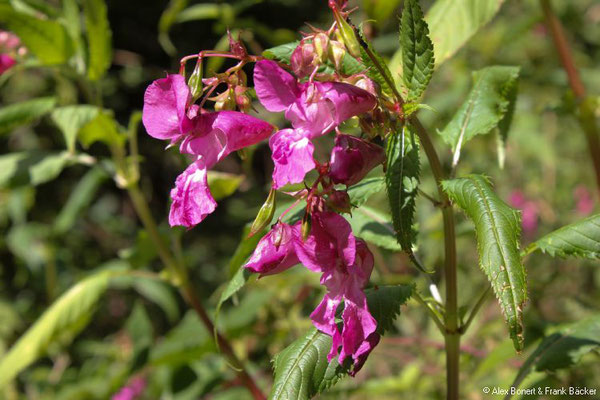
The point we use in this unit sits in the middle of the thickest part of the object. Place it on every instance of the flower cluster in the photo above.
(10, 49)
(315, 104)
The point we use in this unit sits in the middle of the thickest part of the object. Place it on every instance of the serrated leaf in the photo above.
(70, 119)
(402, 180)
(563, 348)
(47, 40)
(99, 37)
(302, 370)
(360, 193)
(580, 239)
(417, 50)
(31, 167)
(379, 72)
(66, 317)
(487, 104)
(498, 228)
(18, 114)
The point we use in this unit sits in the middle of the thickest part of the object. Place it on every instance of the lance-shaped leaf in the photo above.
(498, 228)
(70, 120)
(63, 320)
(99, 38)
(417, 50)
(563, 348)
(580, 239)
(377, 68)
(302, 370)
(488, 103)
(18, 114)
(402, 180)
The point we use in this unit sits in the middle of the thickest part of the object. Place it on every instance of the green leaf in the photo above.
(563, 348)
(103, 128)
(79, 199)
(47, 40)
(167, 19)
(402, 181)
(360, 193)
(487, 104)
(31, 167)
(159, 293)
(65, 318)
(223, 184)
(498, 228)
(70, 120)
(18, 114)
(453, 22)
(378, 69)
(282, 52)
(580, 239)
(374, 226)
(302, 370)
(201, 12)
(417, 50)
(99, 37)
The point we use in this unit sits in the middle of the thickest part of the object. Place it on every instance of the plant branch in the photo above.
(585, 115)
(431, 312)
(188, 292)
(475, 310)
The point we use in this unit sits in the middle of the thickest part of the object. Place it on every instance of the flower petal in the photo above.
(192, 200)
(275, 251)
(292, 155)
(348, 100)
(217, 134)
(164, 113)
(352, 158)
(6, 63)
(276, 89)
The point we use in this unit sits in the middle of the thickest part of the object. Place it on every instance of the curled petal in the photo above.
(276, 89)
(164, 113)
(217, 134)
(348, 100)
(192, 200)
(359, 324)
(292, 155)
(352, 158)
(275, 252)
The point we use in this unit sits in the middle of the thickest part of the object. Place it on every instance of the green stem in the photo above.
(431, 311)
(475, 310)
(585, 114)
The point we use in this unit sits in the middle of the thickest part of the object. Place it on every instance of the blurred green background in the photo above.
(56, 232)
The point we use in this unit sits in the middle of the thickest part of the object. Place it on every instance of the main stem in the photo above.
(188, 292)
(586, 116)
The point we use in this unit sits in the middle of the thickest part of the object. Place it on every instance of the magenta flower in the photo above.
(6, 63)
(585, 202)
(275, 252)
(132, 391)
(314, 108)
(292, 155)
(346, 264)
(210, 137)
(529, 211)
(352, 158)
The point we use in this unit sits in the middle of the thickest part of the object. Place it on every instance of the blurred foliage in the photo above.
(63, 219)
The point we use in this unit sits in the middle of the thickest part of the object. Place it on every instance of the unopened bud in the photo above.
(225, 101)
(303, 60)
(195, 81)
(265, 214)
(242, 99)
(337, 51)
(345, 34)
(306, 226)
(339, 201)
(321, 44)
(236, 46)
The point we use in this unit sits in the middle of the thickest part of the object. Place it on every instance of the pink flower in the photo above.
(292, 155)
(210, 137)
(192, 200)
(585, 202)
(6, 63)
(346, 265)
(133, 390)
(314, 108)
(352, 158)
(275, 252)
(529, 211)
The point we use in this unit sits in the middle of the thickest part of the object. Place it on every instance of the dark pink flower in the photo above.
(302, 60)
(292, 155)
(313, 108)
(352, 158)
(529, 211)
(585, 202)
(192, 200)
(275, 252)
(6, 63)
(132, 391)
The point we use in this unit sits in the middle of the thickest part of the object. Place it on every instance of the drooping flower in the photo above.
(346, 265)
(314, 108)
(352, 158)
(209, 136)
(292, 155)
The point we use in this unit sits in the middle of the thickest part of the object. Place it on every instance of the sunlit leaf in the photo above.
(580, 239)
(99, 37)
(498, 228)
(70, 119)
(223, 184)
(14, 115)
(31, 167)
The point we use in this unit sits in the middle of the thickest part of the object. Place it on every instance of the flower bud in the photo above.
(236, 46)
(265, 214)
(195, 81)
(345, 34)
(242, 99)
(321, 44)
(225, 101)
(352, 158)
(367, 84)
(339, 201)
(306, 226)
(337, 51)
(303, 60)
